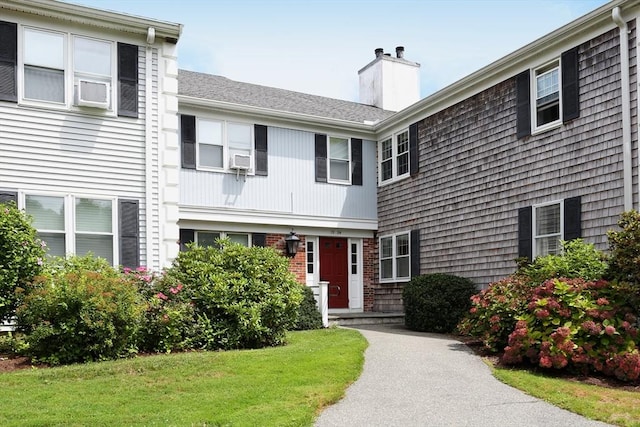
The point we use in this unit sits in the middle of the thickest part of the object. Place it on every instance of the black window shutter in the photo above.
(8, 196)
(188, 141)
(414, 164)
(129, 233)
(8, 61)
(259, 239)
(523, 105)
(321, 158)
(573, 218)
(570, 79)
(186, 236)
(356, 161)
(415, 253)
(525, 232)
(127, 80)
(262, 163)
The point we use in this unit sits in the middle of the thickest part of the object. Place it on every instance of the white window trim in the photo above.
(534, 236)
(535, 129)
(69, 75)
(226, 160)
(394, 159)
(70, 221)
(350, 160)
(394, 257)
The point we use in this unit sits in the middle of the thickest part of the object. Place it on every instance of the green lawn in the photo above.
(281, 386)
(610, 405)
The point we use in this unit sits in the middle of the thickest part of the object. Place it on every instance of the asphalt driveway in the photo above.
(419, 379)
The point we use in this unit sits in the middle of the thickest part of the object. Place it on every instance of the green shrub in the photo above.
(436, 302)
(494, 311)
(309, 317)
(21, 256)
(578, 325)
(243, 297)
(12, 343)
(624, 249)
(577, 259)
(75, 315)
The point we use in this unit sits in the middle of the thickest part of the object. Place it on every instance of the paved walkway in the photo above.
(420, 379)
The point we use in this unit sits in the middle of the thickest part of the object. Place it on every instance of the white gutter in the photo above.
(626, 108)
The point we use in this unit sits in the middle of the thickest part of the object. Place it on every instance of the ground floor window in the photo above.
(548, 228)
(74, 225)
(395, 257)
(209, 238)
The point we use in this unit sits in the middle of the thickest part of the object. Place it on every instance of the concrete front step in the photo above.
(367, 318)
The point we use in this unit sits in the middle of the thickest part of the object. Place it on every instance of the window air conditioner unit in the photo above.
(93, 94)
(241, 162)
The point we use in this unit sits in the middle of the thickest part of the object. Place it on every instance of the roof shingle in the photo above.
(218, 88)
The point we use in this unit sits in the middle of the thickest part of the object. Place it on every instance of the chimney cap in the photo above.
(400, 51)
(379, 52)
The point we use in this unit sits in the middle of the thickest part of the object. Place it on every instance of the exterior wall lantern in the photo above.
(292, 242)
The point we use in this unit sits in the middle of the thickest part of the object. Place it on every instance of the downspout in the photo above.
(626, 109)
(148, 136)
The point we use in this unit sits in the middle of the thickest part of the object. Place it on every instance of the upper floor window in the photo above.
(339, 160)
(54, 61)
(547, 95)
(395, 257)
(64, 70)
(224, 145)
(394, 156)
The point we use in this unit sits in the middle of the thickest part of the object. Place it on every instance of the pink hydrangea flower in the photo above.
(162, 296)
(609, 330)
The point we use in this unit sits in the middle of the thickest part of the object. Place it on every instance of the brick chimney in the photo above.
(390, 83)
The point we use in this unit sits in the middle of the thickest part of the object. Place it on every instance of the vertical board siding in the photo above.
(290, 187)
(475, 173)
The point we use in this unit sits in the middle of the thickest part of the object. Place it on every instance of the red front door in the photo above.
(335, 270)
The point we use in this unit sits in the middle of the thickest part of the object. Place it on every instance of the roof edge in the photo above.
(95, 17)
(507, 66)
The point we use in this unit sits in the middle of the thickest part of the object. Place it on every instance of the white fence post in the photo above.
(323, 302)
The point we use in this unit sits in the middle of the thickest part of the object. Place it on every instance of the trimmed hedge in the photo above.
(309, 316)
(436, 302)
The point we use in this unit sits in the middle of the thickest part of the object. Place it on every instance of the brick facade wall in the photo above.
(297, 264)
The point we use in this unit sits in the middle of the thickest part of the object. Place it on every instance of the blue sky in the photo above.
(318, 46)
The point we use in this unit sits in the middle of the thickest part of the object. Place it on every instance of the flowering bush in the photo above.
(169, 321)
(494, 311)
(21, 256)
(72, 314)
(579, 325)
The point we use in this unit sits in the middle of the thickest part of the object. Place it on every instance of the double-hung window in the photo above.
(224, 145)
(395, 257)
(66, 69)
(547, 228)
(547, 95)
(209, 238)
(339, 160)
(74, 225)
(394, 156)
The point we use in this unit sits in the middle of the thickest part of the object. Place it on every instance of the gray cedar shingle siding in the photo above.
(475, 173)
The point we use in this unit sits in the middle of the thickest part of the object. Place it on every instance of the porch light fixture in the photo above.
(292, 241)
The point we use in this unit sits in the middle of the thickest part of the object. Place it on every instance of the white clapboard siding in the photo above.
(290, 186)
